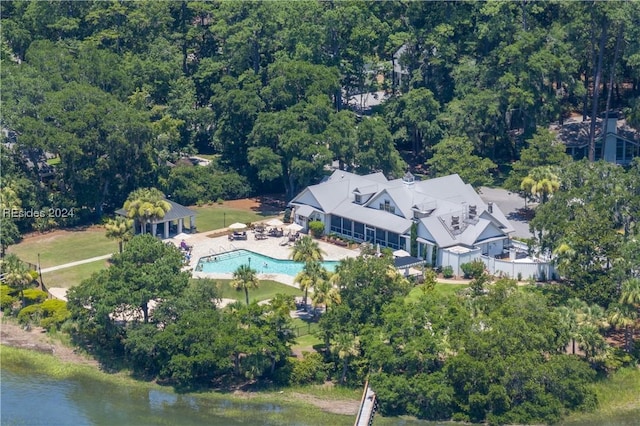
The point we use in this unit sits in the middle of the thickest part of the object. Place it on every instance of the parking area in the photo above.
(512, 206)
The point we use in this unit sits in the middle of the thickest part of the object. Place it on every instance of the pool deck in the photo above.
(204, 246)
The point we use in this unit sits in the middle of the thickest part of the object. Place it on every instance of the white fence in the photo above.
(516, 269)
(520, 269)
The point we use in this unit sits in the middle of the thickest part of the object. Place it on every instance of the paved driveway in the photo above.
(509, 203)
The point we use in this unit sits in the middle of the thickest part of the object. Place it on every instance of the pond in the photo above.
(36, 399)
(29, 399)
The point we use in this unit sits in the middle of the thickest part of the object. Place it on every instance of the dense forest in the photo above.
(101, 98)
(113, 91)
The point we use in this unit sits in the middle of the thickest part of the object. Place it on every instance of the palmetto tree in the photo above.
(346, 346)
(586, 321)
(542, 182)
(325, 293)
(630, 306)
(306, 250)
(146, 205)
(17, 275)
(630, 294)
(624, 317)
(244, 278)
(120, 229)
(311, 276)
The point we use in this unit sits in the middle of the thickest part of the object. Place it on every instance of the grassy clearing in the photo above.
(267, 290)
(307, 342)
(61, 247)
(69, 277)
(442, 290)
(618, 400)
(218, 216)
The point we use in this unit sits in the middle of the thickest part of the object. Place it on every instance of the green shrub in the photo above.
(30, 314)
(310, 369)
(6, 297)
(287, 215)
(447, 271)
(54, 313)
(317, 228)
(34, 295)
(473, 269)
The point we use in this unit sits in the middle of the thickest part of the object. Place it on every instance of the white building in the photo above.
(450, 217)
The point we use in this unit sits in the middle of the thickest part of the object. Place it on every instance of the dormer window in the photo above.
(358, 198)
(387, 207)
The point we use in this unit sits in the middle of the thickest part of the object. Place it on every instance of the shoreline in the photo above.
(38, 342)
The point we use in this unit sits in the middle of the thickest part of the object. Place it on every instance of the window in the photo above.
(346, 227)
(358, 230)
(336, 223)
(358, 198)
(393, 240)
(620, 150)
(387, 207)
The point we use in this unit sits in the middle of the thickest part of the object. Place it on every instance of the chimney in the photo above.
(490, 206)
(609, 136)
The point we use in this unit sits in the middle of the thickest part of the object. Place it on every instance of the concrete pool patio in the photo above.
(204, 246)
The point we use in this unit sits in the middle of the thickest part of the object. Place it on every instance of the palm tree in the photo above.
(624, 317)
(310, 277)
(346, 346)
(17, 275)
(146, 205)
(587, 322)
(306, 249)
(325, 293)
(630, 298)
(120, 229)
(569, 318)
(542, 182)
(630, 294)
(243, 278)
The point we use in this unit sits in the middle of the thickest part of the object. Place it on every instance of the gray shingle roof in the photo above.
(444, 196)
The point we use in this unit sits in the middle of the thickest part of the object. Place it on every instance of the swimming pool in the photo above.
(230, 261)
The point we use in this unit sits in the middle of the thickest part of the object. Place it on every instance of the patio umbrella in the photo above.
(401, 253)
(237, 225)
(294, 227)
(275, 222)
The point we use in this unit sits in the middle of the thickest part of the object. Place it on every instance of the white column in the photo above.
(180, 225)
(154, 229)
(166, 229)
(192, 222)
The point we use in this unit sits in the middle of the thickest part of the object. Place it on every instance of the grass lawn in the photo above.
(267, 290)
(440, 289)
(618, 401)
(59, 247)
(218, 216)
(69, 277)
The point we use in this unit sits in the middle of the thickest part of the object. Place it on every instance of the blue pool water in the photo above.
(228, 262)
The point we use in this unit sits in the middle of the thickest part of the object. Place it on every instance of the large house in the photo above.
(449, 215)
(620, 145)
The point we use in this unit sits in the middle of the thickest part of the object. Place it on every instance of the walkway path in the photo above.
(76, 263)
(367, 407)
